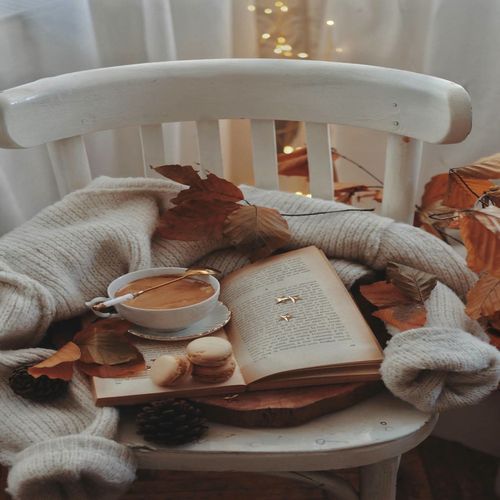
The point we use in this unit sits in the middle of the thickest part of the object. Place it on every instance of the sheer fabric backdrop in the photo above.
(454, 39)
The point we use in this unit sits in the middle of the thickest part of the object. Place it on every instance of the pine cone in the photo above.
(39, 389)
(171, 421)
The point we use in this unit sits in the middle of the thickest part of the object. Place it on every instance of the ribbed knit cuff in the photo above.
(77, 467)
(437, 369)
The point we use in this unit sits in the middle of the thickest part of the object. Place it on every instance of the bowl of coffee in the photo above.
(169, 308)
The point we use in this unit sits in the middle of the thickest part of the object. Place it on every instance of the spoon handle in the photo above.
(140, 292)
(112, 302)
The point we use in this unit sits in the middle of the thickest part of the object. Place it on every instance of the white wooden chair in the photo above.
(410, 107)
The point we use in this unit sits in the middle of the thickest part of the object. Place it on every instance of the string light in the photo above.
(339, 50)
(268, 11)
(281, 39)
(265, 36)
(284, 8)
(330, 22)
(251, 8)
(303, 55)
(278, 4)
(288, 149)
(288, 53)
(277, 50)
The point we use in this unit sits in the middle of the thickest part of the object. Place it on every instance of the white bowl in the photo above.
(164, 319)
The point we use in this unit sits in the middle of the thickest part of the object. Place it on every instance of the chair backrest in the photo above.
(411, 107)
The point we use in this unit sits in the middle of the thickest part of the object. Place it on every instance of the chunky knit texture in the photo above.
(70, 252)
(62, 449)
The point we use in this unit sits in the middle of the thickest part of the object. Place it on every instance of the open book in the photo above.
(319, 337)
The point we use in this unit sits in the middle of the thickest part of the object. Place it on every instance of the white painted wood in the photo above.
(210, 147)
(70, 164)
(378, 481)
(265, 160)
(327, 481)
(372, 430)
(319, 158)
(153, 153)
(402, 168)
(391, 100)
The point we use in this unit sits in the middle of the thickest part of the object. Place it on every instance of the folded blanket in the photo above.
(70, 252)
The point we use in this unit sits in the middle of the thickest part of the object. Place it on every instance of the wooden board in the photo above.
(284, 407)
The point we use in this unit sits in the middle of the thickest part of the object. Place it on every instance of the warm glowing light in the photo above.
(278, 4)
(251, 8)
(303, 55)
(265, 36)
(268, 11)
(308, 195)
(277, 50)
(284, 8)
(288, 53)
(285, 47)
(330, 22)
(288, 149)
(299, 193)
(281, 39)
(339, 50)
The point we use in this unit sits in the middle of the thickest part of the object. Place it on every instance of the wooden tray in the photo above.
(284, 407)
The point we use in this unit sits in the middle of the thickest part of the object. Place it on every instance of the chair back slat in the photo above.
(319, 158)
(265, 161)
(153, 152)
(209, 147)
(402, 168)
(70, 164)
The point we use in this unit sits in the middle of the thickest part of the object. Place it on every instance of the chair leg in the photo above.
(378, 481)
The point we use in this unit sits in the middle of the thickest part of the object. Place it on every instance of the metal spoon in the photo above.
(193, 271)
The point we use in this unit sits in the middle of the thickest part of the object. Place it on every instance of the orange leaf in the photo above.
(466, 184)
(59, 365)
(404, 316)
(480, 231)
(256, 230)
(434, 190)
(186, 174)
(193, 221)
(382, 294)
(483, 298)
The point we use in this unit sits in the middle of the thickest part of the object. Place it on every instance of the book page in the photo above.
(139, 388)
(320, 327)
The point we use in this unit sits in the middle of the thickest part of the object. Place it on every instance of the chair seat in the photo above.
(376, 429)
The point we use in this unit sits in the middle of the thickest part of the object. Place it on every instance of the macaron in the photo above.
(214, 374)
(168, 370)
(209, 351)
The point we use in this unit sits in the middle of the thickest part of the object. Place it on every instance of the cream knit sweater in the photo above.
(69, 253)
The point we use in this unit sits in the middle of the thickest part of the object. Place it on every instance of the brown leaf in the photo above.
(104, 343)
(414, 283)
(434, 190)
(344, 191)
(404, 316)
(480, 231)
(193, 221)
(133, 367)
(256, 230)
(495, 322)
(59, 365)
(493, 196)
(466, 184)
(383, 294)
(186, 174)
(483, 298)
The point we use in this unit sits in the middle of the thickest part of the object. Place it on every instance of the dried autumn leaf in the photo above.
(467, 184)
(209, 189)
(256, 230)
(480, 231)
(404, 316)
(59, 365)
(296, 163)
(495, 322)
(396, 308)
(104, 343)
(483, 298)
(493, 196)
(344, 191)
(434, 190)
(414, 283)
(383, 294)
(194, 221)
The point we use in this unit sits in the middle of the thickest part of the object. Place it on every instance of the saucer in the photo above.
(213, 321)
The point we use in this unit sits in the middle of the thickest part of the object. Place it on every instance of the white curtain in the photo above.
(454, 39)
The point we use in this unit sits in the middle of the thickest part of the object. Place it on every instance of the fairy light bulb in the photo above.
(251, 8)
(284, 8)
(330, 22)
(288, 149)
(303, 55)
(278, 4)
(268, 11)
(281, 39)
(266, 36)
